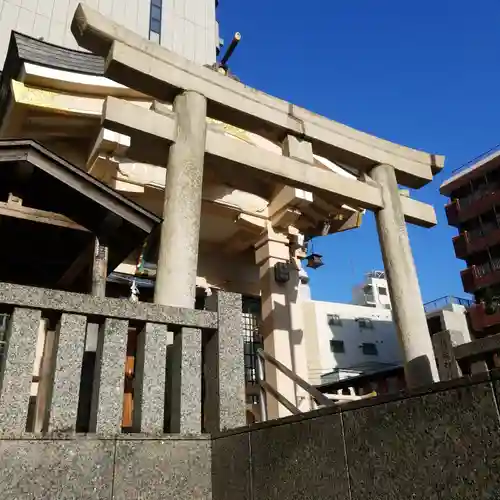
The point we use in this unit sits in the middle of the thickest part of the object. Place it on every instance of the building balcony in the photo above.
(480, 276)
(461, 245)
(480, 319)
(468, 243)
(477, 203)
(452, 210)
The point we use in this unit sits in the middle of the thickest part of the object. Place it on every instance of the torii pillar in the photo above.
(180, 231)
(406, 299)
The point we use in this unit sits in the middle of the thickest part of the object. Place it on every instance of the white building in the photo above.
(345, 340)
(374, 292)
(449, 313)
(187, 27)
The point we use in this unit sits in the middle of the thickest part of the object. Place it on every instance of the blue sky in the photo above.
(423, 73)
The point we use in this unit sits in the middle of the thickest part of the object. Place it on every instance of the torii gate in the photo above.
(198, 92)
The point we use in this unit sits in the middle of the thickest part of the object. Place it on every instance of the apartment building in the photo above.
(474, 209)
(346, 340)
(349, 340)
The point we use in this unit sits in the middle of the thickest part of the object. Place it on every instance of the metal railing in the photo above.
(385, 381)
(441, 302)
(476, 159)
(482, 231)
(318, 396)
(485, 268)
(481, 270)
(251, 342)
(474, 234)
(471, 198)
(479, 193)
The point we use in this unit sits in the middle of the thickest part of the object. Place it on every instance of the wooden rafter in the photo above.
(18, 211)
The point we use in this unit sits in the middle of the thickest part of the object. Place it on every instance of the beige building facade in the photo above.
(188, 27)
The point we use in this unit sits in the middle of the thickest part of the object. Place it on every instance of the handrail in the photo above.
(317, 395)
(279, 397)
(361, 381)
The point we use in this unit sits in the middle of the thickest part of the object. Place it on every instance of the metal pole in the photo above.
(261, 376)
(230, 49)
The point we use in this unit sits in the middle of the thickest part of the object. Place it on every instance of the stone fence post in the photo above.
(224, 360)
(444, 343)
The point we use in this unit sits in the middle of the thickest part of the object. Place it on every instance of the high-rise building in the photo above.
(187, 27)
(474, 209)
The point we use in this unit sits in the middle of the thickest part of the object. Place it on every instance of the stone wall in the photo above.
(189, 367)
(443, 443)
(440, 443)
(127, 468)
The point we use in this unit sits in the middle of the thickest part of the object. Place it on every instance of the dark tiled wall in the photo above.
(231, 468)
(439, 444)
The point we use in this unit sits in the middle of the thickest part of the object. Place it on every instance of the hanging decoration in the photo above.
(134, 292)
(314, 260)
(139, 268)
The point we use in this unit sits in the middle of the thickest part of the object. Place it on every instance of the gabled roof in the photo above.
(23, 48)
(33, 50)
(46, 182)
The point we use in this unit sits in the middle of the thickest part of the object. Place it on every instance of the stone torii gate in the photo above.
(183, 143)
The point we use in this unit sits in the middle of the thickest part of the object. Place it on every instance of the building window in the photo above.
(252, 341)
(155, 21)
(369, 349)
(382, 290)
(365, 323)
(337, 346)
(334, 320)
(434, 324)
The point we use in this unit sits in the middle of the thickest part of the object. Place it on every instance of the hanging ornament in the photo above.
(314, 260)
(134, 292)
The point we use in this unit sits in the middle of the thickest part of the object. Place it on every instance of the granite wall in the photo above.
(440, 443)
(58, 459)
(106, 469)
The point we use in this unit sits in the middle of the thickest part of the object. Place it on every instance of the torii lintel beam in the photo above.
(240, 158)
(156, 71)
